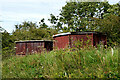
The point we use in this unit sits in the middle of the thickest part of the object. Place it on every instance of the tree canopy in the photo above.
(89, 16)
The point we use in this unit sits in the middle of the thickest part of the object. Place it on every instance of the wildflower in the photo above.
(65, 74)
(112, 51)
(105, 46)
(104, 58)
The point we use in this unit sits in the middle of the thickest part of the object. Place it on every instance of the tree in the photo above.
(7, 40)
(24, 31)
(43, 24)
(80, 15)
(1, 29)
(89, 16)
(110, 25)
(31, 31)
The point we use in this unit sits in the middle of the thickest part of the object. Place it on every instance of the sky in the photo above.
(14, 12)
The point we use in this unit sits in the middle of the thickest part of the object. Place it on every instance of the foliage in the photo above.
(7, 40)
(1, 29)
(7, 53)
(89, 16)
(78, 15)
(31, 31)
(110, 25)
(68, 63)
(7, 45)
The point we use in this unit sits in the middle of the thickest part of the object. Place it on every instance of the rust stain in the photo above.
(31, 47)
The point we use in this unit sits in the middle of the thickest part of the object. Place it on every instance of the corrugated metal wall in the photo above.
(80, 37)
(61, 42)
(68, 40)
(21, 48)
(24, 48)
(34, 47)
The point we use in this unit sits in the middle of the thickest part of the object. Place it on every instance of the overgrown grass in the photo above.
(68, 63)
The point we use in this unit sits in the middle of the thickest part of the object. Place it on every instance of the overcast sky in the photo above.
(17, 11)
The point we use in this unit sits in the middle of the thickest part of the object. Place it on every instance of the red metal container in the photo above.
(64, 40)
(33, 46)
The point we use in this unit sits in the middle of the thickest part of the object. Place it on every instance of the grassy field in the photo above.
(68, 63)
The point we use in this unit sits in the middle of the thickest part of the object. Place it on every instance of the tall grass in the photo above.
(88, 62)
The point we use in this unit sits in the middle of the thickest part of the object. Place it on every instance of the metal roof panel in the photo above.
(33, 41)
(68, 33)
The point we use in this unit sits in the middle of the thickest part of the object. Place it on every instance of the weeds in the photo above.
(68, 63)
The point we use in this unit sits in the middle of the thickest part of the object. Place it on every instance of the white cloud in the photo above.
(12, 19)
(28, 1)
(16, 11)
(113, 1)
(20, 17)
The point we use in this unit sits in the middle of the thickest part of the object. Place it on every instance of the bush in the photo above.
(84, 63)
(7, 53)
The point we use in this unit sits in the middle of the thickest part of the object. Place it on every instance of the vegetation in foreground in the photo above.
(82, 63)
(68, 63)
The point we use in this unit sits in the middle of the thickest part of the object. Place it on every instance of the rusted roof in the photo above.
(68, 33)
(61, 34)
(33, 41)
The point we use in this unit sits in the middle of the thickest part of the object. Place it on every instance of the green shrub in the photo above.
(7, 53)
(88, 62)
